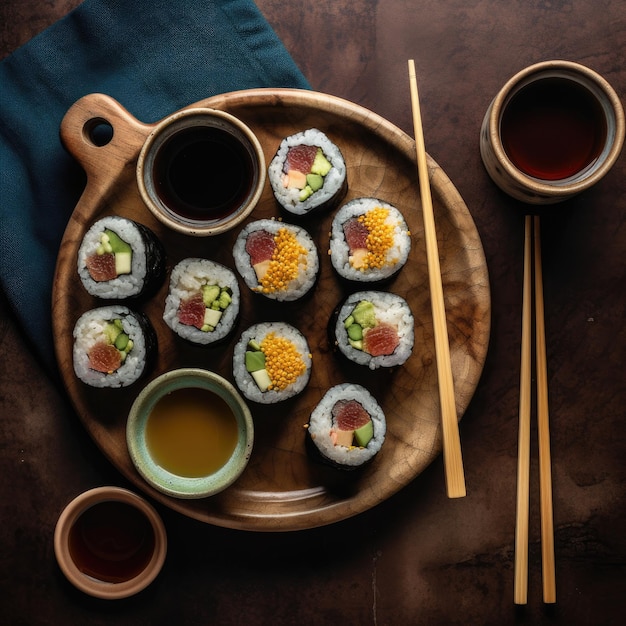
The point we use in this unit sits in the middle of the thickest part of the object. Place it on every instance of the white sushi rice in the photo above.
(390, 308)
(334, 181)
(244, 379)
(90, 329)
(309, 263)
(186, 280)
(396, 256)
(125, 285)
(321, 423)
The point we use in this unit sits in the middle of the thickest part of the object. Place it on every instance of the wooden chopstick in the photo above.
(533, 231)
(453, 462)
(545, 472)
(523, 444)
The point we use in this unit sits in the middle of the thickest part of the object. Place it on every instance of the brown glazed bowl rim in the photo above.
(529, 182)
(87, 584)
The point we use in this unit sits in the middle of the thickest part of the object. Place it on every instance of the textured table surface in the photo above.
(418, 558)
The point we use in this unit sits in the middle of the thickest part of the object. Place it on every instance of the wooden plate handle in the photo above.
(102, 136)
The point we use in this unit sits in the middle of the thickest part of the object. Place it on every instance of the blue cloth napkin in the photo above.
(154, 57)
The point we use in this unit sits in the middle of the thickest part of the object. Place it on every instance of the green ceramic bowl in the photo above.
(182, 484)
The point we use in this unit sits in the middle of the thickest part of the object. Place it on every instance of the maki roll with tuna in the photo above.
(113, 346)
(375, 329)
(202, 304)
(308, 173)
(347, 428)
(119, 258)
(369, 240)
(271, 362)
(277, 260)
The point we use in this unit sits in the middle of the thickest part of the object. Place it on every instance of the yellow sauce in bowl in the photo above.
(191, 432)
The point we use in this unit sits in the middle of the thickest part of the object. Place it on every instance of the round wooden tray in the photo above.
(282, 488)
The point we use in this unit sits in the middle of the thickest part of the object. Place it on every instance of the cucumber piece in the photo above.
(224, 300)
(262, 379)
(112, 331)
(365, 314)
(116, 242)
(121, 341)
(212, 317)
(364, 434)
(255, 361)
(305, 193)
(314, 181)
(123, 262)
(209, 294)
(355, 332)
(254, 345)
(356, 344)
(321, 165)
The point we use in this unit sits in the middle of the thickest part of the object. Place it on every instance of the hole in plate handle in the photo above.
(98, 131)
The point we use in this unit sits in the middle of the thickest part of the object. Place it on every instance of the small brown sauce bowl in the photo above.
(201, 171)
(110, 543)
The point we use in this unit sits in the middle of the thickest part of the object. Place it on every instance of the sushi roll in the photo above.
(308, 173)
(202, 304)
(277, 260)
(347, 428)
(369, 240)
(271, 362)
(375, 329)
(119, 258)
(113, 346)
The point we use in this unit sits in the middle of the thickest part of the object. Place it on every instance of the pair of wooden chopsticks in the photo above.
(453, 462)
(532, 231)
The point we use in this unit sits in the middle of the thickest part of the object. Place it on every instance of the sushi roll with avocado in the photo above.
(374, 328)
(271, 362)
(308, 173)
(119, 258)
(347, 428)
(276, 260)
(113, 346)
(202, 304)
(369, 240)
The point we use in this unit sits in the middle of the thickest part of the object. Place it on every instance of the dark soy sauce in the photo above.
(203, 173)
(553, 128)
(112, 542)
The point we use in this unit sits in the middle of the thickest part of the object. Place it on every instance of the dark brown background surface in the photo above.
(417, 558)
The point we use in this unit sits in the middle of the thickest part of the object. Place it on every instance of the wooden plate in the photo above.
(282, 488)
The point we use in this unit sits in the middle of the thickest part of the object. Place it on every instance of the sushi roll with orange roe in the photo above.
(369, 241)
(277, 260)
(271, 362)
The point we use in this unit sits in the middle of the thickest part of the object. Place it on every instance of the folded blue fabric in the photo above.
(154, 57)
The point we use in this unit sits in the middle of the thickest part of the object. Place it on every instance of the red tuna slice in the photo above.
(260, 245)
(356, 234)
(349, 415)
(191, 311)
(300, 158)
(380, 340)
(104, 357)
(101, 267)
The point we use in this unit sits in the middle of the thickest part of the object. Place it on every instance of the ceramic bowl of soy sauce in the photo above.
(201, 171)
(110, 543)
(190, 433)
(553, 130)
